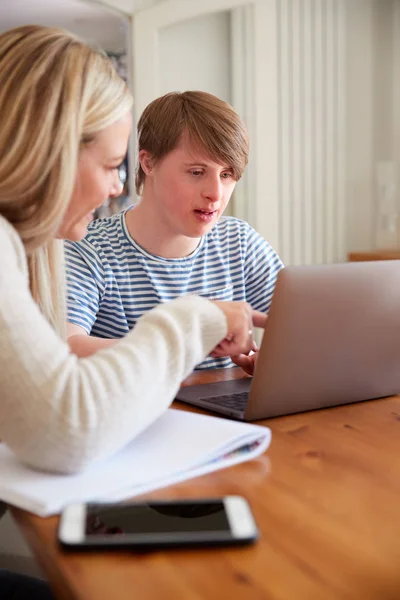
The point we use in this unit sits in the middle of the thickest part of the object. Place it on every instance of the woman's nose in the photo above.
(117, 186)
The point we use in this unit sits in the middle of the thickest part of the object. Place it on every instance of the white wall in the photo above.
(360, 92)
(94, 22)
(195, 55)
(335, 75)
(396, 82)
(339, 127)
(312, 145)
(373, 123)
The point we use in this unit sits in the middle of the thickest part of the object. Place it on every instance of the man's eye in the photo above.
(196, 172)
(226, 175)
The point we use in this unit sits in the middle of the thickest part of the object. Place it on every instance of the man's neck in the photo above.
(151, 234)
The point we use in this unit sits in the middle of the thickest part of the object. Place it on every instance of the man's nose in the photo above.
(213, 189)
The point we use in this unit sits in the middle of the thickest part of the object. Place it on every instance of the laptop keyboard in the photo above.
(237, 401)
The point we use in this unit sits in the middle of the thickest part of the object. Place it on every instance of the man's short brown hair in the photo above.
(212, 126)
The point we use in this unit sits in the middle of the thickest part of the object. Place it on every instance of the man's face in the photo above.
(189, 189)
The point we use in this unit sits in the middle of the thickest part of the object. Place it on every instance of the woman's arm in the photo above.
(60, 413)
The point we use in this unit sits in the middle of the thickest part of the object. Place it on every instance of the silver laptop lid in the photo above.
(332, 337)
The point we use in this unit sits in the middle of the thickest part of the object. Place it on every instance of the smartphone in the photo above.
(157, 524)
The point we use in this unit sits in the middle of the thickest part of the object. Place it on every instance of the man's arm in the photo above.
(261, 268)
(84, 345)
(84, 275)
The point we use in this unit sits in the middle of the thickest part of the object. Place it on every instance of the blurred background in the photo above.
(316, 81)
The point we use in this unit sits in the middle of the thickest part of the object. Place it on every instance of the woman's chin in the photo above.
(75, 233)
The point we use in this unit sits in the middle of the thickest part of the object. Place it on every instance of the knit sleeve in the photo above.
(60, 413)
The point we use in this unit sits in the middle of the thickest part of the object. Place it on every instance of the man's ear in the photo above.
(146, 161)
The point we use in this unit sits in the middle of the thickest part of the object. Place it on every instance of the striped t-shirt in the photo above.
(112, 280)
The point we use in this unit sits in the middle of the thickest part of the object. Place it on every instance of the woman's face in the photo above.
(97, 177)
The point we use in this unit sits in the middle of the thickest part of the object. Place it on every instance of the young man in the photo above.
(193, 148)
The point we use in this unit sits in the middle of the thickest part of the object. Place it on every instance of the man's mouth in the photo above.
(205, 212)
(205, 216)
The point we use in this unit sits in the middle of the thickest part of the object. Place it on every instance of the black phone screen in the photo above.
(156, 517)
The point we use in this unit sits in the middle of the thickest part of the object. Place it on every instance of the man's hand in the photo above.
(82, 344)
(240, 319)
(246, 361)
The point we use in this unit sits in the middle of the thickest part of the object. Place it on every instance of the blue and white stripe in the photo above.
(112, 281)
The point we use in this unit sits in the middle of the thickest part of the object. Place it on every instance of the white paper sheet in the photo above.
(178, 446)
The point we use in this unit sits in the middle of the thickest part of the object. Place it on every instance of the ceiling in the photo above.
(93, 21)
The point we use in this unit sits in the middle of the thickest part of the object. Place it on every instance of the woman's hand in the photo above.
(240, 320)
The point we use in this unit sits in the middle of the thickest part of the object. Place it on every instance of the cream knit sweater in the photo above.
(60, 413)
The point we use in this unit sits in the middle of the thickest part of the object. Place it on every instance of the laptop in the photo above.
(332, 337)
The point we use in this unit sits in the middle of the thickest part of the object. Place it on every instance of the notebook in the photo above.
(178, 446)
(332, 337)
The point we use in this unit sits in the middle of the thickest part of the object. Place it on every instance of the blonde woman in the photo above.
(65, 123)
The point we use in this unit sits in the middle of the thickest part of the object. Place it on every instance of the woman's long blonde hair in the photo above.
(56, 93)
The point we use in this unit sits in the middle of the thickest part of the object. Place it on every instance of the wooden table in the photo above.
(373, 255)
(326, 497)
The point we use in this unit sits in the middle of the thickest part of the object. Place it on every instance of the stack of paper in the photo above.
(178, 446)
